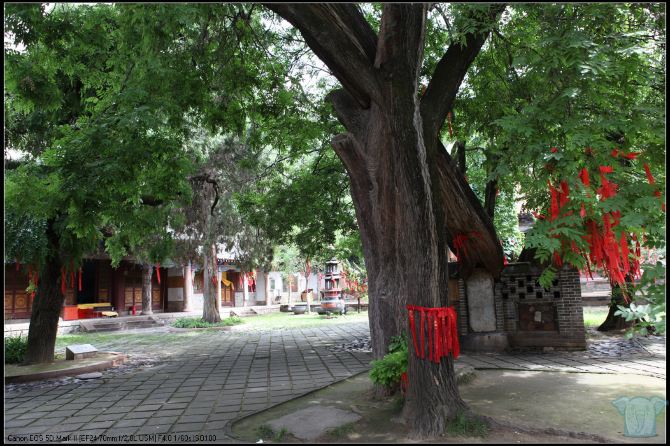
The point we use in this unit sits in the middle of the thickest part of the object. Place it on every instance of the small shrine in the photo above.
(332, 277)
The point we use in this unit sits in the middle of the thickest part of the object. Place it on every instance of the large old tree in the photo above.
(409, 198)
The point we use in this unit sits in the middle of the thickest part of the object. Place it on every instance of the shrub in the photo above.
(15, 349)
(387, 371)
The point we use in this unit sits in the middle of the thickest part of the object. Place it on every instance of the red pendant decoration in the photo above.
(442, 333)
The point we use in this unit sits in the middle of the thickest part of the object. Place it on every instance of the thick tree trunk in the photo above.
(147, 272)
(210, 309)
(410, 199)
(47, 305)
(613, 322)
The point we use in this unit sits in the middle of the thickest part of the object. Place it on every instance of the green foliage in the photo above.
(648, 316)
(15, 349)
(191, 322)
(467, 426)
(387, 371)
(570, 76)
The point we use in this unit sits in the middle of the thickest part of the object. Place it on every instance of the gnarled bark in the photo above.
(409, 197)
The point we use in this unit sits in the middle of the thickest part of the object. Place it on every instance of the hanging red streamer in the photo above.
(440, 323)
(584, 176)
(650, 178)
(158, 272)
(553, 212)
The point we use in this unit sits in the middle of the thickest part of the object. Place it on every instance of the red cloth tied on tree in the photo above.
(553, 150)
(404, 383)
(650, 178)
(584, 176)
(442, 332)
(158, 272)
(537, 216)
(631, 155)
(607, 189)
(614, 152)
(459, 245)
(582, 211)
(553, 212)
(72, 279)
(63, 285)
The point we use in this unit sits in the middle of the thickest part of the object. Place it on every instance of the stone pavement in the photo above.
(198, 384)
(193, 391)
(603, 355)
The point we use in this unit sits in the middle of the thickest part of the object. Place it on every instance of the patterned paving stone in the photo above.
(195, 387)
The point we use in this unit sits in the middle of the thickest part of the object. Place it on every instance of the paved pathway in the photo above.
(196, 388)
(603, 355)
(196, 385)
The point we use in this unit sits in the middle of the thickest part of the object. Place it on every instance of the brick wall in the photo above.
(518, 285)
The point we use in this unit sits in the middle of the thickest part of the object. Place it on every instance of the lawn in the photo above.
(278, 321)
(594, 316)
(272, 321)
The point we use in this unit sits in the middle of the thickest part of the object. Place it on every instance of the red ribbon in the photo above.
(584, 176)
(158, 272)
(554, 202)
(442, 332)
(650, 178)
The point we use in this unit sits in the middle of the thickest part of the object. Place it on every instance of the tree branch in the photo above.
(340, 36)
(449, 73)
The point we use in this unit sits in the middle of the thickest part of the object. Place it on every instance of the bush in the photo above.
(192, 322)
(15, 349)
(387, 371)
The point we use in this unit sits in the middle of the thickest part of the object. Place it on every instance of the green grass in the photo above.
(466, 426)
(340, 432)
(594, 316)
(274, 321)
(195, 322)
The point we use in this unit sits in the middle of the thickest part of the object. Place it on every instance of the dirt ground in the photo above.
(380, 422)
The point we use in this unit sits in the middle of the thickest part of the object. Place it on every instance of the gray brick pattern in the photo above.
(197, 388)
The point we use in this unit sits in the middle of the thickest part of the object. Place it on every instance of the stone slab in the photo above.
(312, 422)
(481, 306)
(80, 351)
